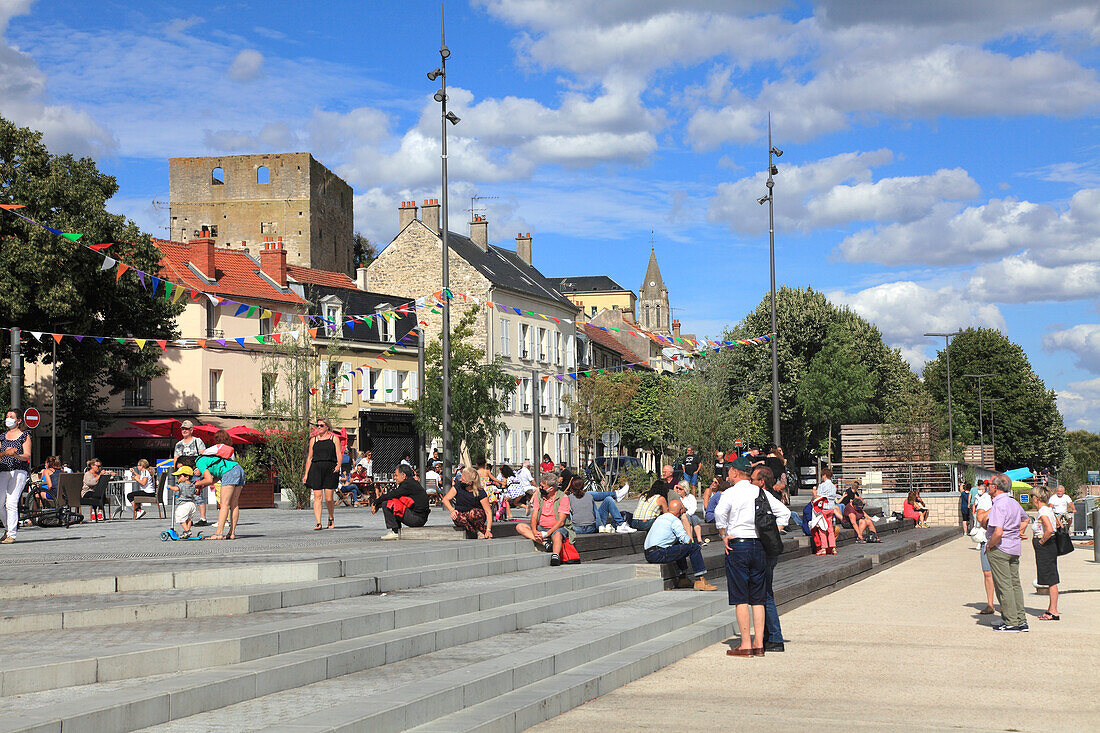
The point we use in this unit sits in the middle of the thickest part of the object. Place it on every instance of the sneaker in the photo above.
(201, 523)
(8, 539)
(1024, 627)
(1007, 629)
(706, 541)
(391, 535)
(624, 528)
(605, 528)
(140, 514)
(555, 560)
(774, 646)
(620, 494)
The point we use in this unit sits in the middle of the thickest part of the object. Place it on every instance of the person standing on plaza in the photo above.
(764, 479)
(1046, 549)
(218, 464)
(1006, 525)
(964, 505)
(15, 467)
(746, 561)
(691, 467)
(192, 446)
(826, 492)
(322, 471)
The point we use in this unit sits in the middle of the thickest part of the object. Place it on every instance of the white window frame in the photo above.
(541, 344)
(390, 390)
(526, 440)
(570, 352)
(347, 386)
(387, 329)
(505, 337)
(525, 340)
(525, 395)
(333, 310)
(513, 454)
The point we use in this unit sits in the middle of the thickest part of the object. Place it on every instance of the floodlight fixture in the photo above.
(452, 118)
(773, 170)
(433, 75)
(439, 96)
(777, 152)
(764, 199)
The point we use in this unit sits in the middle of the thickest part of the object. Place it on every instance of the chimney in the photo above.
(676, 328)
(429, 214)
(202, 254)
(273, 261)
(628, 317)
(361, 278)
(406, 214)
(523, 247)
(479, 232)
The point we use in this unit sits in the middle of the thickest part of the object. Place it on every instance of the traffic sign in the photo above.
(31, 418)
(610, 438)
(737, 443)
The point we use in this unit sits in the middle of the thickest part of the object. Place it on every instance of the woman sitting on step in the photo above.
(913, 508)
(594, 511)
(469, 505)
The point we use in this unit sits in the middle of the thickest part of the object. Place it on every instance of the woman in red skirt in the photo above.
(469, 505)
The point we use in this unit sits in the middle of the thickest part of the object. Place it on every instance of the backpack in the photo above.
(569, 554)
(218, 467)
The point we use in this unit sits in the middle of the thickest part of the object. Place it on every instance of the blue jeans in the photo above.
(586, 528)
(772, 630)
(679, 554)
(606, 507)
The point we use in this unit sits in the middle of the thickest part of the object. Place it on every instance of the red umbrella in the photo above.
(132, 434)
(245, 434)
(164, 427)
(205, 433)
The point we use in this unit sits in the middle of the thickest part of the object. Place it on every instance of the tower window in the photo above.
(263, 175)
(217, 177)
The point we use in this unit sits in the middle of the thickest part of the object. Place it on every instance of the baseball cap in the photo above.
(742, 464)
(183, 471)
(187, 424)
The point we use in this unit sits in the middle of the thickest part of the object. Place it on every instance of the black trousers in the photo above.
(412, 518)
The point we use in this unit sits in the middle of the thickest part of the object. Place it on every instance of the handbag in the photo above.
(1063, 542)
(569, 554)
(767, 531)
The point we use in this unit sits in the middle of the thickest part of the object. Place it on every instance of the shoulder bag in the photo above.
(1062, 541)
(767, 531)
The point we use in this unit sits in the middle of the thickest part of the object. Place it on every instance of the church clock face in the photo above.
(652, 284)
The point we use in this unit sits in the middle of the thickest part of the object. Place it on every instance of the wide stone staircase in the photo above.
(425, 635)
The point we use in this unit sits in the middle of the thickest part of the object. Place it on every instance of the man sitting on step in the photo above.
(667, 541)
(406, 503)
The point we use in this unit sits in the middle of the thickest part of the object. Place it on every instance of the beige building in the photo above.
(531, 325)
(594, 293)
(242, 201)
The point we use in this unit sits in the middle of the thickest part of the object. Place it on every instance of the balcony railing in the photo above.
(217, 405)
(131, 400)
(215, 333)
(526, 354)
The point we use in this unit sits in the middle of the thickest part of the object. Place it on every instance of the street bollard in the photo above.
(1095, 544)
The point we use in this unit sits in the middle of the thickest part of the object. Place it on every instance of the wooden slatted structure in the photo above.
(870, 443)
(972, 454)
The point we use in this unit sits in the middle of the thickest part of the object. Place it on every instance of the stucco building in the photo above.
(531, 325)
(594, 293)
(245, 200)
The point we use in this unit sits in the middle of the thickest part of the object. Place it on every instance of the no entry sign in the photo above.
(31, 418)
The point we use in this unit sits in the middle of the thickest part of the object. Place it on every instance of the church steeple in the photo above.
(653, 310)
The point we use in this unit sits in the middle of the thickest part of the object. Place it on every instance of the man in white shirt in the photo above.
(981, 515)
(746, 561)
(526, 480)
(1062, 506)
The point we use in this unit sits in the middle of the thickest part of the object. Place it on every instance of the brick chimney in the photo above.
(523, 247)
(429, 214)
(406, 214)
(676, 328)
(361, 278)
(202, 254)
(479, 232)
(273, 261)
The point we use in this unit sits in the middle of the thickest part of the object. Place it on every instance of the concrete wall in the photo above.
(943, 508)
(304, 203)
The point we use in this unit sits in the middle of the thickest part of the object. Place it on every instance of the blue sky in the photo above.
(941, 165)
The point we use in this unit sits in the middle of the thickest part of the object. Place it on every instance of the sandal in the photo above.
(987, 611)
(216, 537)
(317, 527)
(330, 523)
(1048, 616)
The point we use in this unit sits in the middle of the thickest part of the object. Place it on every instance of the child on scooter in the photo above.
(186, 508)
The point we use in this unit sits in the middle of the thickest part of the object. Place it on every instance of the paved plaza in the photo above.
(901, 650)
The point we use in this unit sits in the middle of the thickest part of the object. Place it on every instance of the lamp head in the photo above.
(763, 199)
(777, 152)
(774, 170)
(439, 96)
(433, 75)
(452, 118)
(444, 53)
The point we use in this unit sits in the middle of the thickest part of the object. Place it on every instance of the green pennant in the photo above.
(168, 288)
(530, 313)
(261, 339)
(121, 341)
(600, 371)
(434, 310)
(70, 236)
(251, 310)
(616, 329)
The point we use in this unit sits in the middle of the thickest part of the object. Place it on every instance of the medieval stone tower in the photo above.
(653, 311)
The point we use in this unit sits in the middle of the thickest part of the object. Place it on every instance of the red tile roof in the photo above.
(237, 274)
(311, 276)
(608, 341)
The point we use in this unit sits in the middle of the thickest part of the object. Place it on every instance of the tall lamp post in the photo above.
(992, 428)
(950, 415)
(981, 433)
(769, 199)
(441, 97)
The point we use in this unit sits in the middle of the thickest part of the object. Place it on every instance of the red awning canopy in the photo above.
(245, 434)
(164, 427)
(133, 433)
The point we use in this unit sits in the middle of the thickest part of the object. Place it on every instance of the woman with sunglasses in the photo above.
(322, 472)
(15, 466)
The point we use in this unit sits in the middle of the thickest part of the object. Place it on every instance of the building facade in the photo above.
(241, 201)
(594, 293)
(530, 327)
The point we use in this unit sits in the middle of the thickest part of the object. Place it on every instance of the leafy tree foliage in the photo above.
(364, 251)
(643, 423)
(598, 403)
(479, 391)
(1029, 428)
(48, 283)
(1084, 448)
(836, 389)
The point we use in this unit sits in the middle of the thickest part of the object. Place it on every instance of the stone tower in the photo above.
(653, 310)
(243, 201)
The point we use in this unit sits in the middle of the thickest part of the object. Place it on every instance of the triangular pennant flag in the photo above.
(140, 343)
(241, 310)
(220, 341)
(98, 339)
(275, 318)
(141, 277)
(260, 338)
(179, 294)
(251, 309)
(195, 295)
(108, 263)
(37, 335)
(277, 338)
(359, 391)
(313, 390)
(156, 282)
(9, 207)
(313, 333)
(163, 344)
(373, 392)
(57, 337)
(100, 247)
(201, 343)
(78, 338)
(265, 314)
(121, 341)
(240, 342)
(168, 288)
(123, 267)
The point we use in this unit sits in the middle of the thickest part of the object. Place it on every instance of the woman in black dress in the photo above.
(322, 473)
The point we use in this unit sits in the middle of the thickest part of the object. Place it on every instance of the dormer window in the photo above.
(332, 310)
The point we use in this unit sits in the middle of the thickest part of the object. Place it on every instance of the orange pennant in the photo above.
(57, 337)
(122, 267)
(9, 207)
(313, 333)
(163, 344)
(201, 343)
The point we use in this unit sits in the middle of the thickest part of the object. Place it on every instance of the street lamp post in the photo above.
(769, 198)
(950, 415)
(981, 433)
(441, 97)
(992, 428)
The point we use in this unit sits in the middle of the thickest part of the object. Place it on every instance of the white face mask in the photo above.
(10, 422)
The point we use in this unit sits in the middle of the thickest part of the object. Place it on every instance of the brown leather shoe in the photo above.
(684, 582)
(702, 584)
(739, 652)
(758, 651)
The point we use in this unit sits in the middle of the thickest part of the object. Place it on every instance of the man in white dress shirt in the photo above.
(746, 561)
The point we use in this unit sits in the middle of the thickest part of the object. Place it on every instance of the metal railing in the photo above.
(136, 401)
(902, 476)
(217, 405)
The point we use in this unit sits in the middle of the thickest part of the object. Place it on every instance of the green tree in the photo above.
(803, 317)
(643, 424)
(1084, 447)
(479, 391)
(836, 388)
(364, 251)
(699, 412)
(48, 283)
(1028, 427)
(913, 425)
(598, 403)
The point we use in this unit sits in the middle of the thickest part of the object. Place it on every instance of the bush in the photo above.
(639, 479)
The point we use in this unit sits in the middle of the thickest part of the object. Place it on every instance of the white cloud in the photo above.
(247, 66)
(1079, 404)
(1019, 279)
(903, 198)
(904, 311)
(1081, 340)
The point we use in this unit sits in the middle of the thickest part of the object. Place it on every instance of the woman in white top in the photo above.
(144, 486)
(693, 524)
(1046, 550)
